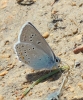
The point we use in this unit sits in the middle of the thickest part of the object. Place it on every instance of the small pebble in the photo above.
(81, 5)
(6, 42)
(78, 49)
(72, 89)
(75, 31)
(25, 86)
(82, 76)
(80, 85)
(1, 97)
(3, 73)
(54, 12)
(73, 4)
(5, 55)
(77, 64)
(78, 37)
(45, 35)
(30, 93)
(59, 54)
(3, 4)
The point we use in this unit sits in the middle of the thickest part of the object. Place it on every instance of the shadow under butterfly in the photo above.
(36, 75)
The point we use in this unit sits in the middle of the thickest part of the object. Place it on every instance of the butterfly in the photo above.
(32, 49)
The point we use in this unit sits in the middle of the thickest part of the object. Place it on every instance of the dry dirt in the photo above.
(63, 20)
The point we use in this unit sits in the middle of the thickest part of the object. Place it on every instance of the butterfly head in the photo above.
(58, 61)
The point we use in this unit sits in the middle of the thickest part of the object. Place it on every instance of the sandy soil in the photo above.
(63, 20)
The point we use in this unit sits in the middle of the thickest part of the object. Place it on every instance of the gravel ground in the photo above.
(63, 20)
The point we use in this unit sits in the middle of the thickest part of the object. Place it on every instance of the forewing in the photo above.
(29, 34)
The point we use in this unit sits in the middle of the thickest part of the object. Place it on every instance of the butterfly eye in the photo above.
(57, 60)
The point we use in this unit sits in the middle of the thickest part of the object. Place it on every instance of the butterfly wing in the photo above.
(34, 57)
(29, 34)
